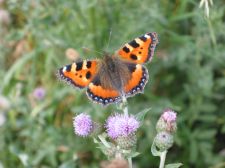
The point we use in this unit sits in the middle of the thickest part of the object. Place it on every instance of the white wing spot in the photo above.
(64, 68)
(147, 36)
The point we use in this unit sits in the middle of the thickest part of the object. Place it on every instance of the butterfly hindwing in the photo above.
(79, 74)
(137, 81)
(141, 49)
(97, 93)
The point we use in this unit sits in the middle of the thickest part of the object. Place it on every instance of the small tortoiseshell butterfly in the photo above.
(117, 75)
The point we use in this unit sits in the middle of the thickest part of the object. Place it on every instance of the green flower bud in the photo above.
(164, 140)
(126, 142)
(162, 125)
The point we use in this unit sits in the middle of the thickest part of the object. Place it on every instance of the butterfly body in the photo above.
(113, 73)
(117, 75)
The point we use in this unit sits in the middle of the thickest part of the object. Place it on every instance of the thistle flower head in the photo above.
(39, 93)
(121, 125)
(82, 125)
(169, 116)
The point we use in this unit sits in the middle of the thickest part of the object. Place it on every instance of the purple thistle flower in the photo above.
(112, 126)
(82, 125)
(39, 93)
(121, 125)
(169, 116)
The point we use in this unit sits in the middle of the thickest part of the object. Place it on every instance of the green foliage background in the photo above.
(187, 74)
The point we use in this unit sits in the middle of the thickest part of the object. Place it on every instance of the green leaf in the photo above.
(18, 66)
(24, 158)
(194, 150)
(95, 140)
(134, 154)
(1, 165)
(206, 134)
(103, 140)
(68, 164)
(141, 115)
(173, 165)
(154, 150)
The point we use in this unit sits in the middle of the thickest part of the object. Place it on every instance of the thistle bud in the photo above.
(126, 142)
(164, 141)
(167, 122)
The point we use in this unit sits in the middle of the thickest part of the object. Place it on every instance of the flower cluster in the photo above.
(119, 127)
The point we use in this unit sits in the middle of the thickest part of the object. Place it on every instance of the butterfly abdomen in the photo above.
(110, 75)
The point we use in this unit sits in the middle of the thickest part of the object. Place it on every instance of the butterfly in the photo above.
(121, 74)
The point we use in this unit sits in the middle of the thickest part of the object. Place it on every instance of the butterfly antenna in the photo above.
(91, 49)
(110, 35)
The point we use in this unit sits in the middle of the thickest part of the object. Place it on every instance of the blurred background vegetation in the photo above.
(187, 74)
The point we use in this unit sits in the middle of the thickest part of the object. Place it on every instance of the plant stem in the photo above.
(124, 105)
(130, 162)
(162, 159)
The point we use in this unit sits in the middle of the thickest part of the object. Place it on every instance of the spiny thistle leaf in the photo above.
(141, 115)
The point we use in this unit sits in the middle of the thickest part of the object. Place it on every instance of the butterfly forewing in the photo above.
(79, 74)
(141, 49)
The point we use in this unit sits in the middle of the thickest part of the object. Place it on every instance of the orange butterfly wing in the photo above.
(79, 74)
(141, 49)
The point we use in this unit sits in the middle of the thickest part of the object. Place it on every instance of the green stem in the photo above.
(124, 105)
(162, 159)
(130, 162)
(212, 32)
